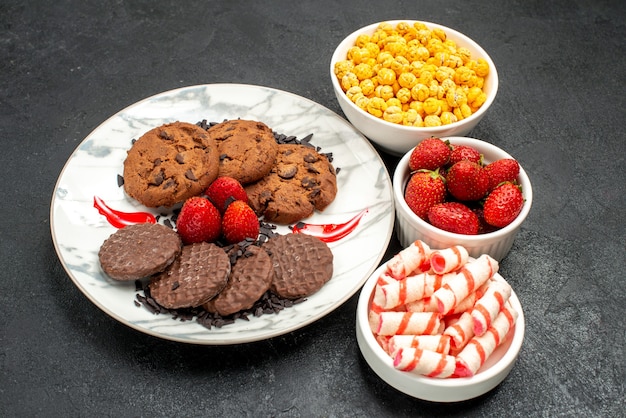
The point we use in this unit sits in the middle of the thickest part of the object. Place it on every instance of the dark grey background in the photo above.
(66, 66)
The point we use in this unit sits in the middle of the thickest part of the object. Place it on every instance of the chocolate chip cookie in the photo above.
(247, 149)
(300, 182)
(169, 164)
(138, 251)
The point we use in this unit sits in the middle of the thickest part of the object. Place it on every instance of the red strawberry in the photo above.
(484, 227)
(239, 222)
(467, 180)
(430, 154)
(465, 152)
(454, 217)
(224, 190)
(424, 189)
(502, 170)
(198, 221)
(503, 204)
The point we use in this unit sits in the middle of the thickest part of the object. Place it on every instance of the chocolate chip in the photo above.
(157, 180)
(169, 183)
(287, 171)
(310, 158)
(157, 162)
(189, 174)
(309, 183)
(175, 285)
(165, 135)
(312, 169)
(180, 158)
(120, 181)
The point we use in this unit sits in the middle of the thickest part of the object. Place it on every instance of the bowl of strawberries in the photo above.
(461, 191)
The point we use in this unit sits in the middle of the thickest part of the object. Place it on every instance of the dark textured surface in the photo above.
(66, 66)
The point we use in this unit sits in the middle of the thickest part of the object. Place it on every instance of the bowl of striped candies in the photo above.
(401, 81)
(439, 325)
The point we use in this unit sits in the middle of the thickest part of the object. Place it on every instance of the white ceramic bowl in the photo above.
(492, 373)
(397, 139)
(410, 227)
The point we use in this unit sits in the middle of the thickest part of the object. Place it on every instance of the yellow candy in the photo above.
(404, 95)
(343, 67)
(447, 118)
(349, 80)
(439, 33)
(420, 92)
(376, 106)
(400, 65)
(356, 54)
(482, 68)
(367, 86)
(394, 102)
(384, 92)
(353, 91)
(432, 106)
(456, 97)
(372, 48)
(363, 71)
(362, 40)
(386, 76)
(362, 102)
(412, 75)
(393, 114)
(432, 120)
(407, 80)
(412, 118)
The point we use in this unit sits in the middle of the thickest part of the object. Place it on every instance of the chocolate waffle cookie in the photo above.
(138, 251)
(302, 264)
(250, 278)
(197, 275)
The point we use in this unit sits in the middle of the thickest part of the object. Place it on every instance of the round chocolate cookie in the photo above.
(169, 164)
(301, 181)
(247, 149)
(197, 275)
(302, 264)
(138, 251)
(250, 278)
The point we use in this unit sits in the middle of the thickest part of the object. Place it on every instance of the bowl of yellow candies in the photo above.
(401, 81)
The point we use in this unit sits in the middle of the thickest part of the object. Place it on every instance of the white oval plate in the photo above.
(78, 230)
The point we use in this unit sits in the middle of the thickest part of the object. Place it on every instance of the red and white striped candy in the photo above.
(478, 349)
(424, 362)
(405, 323)
(412, 259)
(438, 343)
(460, 332)
(448, 259)
(473, 275)
(489, 305)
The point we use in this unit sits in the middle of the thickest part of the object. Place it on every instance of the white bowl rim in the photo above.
(434, 129)
(481, 377)
(398, 191)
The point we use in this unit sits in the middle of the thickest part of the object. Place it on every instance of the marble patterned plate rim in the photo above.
(78, 229)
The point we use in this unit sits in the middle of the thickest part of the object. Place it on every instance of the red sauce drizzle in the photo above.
(329, 232)
(121, 219)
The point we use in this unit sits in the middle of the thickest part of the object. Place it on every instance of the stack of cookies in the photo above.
(285, 183)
